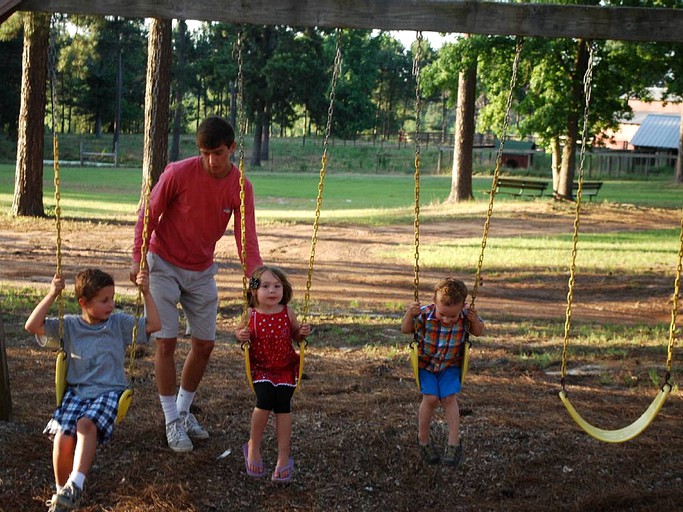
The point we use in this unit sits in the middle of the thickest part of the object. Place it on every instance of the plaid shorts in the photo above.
(101, 411)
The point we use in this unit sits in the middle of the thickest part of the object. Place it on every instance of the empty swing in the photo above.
(303, 343)
(466, 344)
(639, 425)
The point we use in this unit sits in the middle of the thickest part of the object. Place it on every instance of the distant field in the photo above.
(85, 191)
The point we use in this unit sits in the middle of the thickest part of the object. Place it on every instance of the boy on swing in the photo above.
(441, 328)
(95, 342)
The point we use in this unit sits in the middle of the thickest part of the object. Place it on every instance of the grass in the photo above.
(371, 198)
(105, 193)
(643, 251)
(364, 198)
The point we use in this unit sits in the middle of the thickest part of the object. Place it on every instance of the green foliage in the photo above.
(10, 70)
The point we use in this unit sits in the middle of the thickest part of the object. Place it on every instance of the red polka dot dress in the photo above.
(271, 354)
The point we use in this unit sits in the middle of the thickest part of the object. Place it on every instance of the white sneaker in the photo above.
(177, 437)
(192, 426)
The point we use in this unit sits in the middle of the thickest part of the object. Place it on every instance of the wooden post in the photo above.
(5, 393)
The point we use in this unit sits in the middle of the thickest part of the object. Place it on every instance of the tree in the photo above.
(99, 56)
(354, 111)
(550, 100)
(455, 70)
(10, 70)
(394, 83)
(296, 75)
(157, 93)
(180, 83)
(28, 183)
(461, 176)
(673, 80)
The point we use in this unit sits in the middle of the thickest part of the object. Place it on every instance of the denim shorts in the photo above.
(441, 384)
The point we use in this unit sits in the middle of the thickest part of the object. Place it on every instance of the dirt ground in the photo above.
(354, 438)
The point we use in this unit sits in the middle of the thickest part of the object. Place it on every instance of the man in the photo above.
(189, 210)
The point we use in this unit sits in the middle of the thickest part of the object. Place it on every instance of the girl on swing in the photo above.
(95, 343)
(270, 327)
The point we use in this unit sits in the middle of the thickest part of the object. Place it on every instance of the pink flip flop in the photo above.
(260, 470)
(283, 475)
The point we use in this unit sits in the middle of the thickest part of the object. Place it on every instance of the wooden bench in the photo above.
(589, 189)
(520, 186)
(99, 157)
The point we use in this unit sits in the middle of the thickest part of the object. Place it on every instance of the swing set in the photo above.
(612, 436)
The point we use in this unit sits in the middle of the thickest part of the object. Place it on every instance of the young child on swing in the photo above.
(95, 342)
(270, 327)
(441, 328)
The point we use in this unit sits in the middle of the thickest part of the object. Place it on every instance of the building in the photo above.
(653, 122)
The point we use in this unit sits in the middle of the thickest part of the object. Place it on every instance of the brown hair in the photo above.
(90, 281)
(213, 132)
(255, 283)
(452, 290)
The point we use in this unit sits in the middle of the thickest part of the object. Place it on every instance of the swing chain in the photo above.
(587, 87)
(418, 162)
(674, 308)
(52, 65)
(239, 46)
(321, 183)
(146, 191)
(499, 162)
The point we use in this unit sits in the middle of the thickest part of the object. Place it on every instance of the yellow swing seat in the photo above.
(60, 376)
(247, 364)
(623, 434)
(416, 367)
(125, 399)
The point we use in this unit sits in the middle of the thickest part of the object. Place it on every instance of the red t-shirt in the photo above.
(189, 212)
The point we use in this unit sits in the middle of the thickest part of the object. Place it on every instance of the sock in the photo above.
(184, 400)
(169, 407)
(76, 478)
(58, 488)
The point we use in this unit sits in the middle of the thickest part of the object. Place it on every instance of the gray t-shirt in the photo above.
(95, 353)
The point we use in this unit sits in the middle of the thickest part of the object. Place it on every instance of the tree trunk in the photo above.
(179, 92)
(155, 150)
(556, 161)
(265, 136)
(679, 160)
(119, 91)
(258, 141)
(566, 178)
(444, 117)
(461, 181)
(28, 182)
(258, 135)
